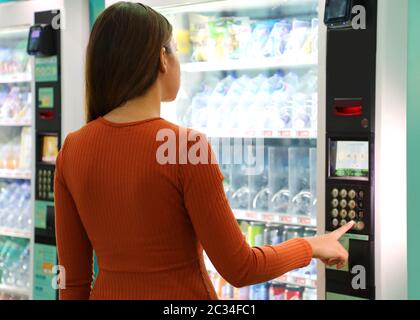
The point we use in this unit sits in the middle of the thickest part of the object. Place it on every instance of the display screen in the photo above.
(35, 33)
(349, 159)
(337, 10)
(49, 149)
(34, 39)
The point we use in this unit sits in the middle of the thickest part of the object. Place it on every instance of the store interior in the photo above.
(255, 72)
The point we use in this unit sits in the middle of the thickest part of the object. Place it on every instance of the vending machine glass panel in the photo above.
(250, 83)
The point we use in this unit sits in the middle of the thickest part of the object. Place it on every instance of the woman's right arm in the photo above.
(219, 233)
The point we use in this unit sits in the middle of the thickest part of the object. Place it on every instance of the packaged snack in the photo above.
(200, 36)
(240, 34)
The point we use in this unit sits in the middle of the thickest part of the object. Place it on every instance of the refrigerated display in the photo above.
(250, 83)
(15, 164)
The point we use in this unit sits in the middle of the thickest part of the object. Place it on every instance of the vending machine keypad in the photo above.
(348, 204)
(45, 185)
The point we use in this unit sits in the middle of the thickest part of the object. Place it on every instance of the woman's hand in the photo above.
(328, 249)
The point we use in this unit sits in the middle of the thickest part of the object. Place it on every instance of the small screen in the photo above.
(337, 10)
(35, 33)
(49, 149)
(349, 159)
(34, 39)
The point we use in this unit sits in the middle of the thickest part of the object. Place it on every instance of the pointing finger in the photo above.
(343, 230)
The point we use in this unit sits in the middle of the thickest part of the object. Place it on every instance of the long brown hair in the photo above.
(123, 55)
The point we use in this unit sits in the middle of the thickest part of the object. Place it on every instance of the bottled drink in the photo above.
(293, 292)
(256, 234)
(310, 294)
(244, 293)
(277, 291)
(273, 234)
(291, 232)
(259, 292)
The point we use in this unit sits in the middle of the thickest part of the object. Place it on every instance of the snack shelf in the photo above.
(15, 78)
(240, 64)
(15, 233)
(14, 123)
(297, 280)
(15, 174)
(264, 133)
(14, 290)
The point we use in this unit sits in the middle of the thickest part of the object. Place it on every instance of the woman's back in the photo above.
(119, 189)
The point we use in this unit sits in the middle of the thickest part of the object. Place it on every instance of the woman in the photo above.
(148, 222)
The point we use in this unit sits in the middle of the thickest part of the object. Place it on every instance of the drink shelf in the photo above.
(14, 123)
(14, 290)
(297, 280)
(223, 5)
(15, 174)
(266, 133)
(15, 233)
(269, 217)
(15, 78)
(241, 64)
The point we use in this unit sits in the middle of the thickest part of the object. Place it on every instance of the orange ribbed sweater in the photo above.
(148, 223)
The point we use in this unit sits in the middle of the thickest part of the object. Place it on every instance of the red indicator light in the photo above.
(349, 111)
(47, 115)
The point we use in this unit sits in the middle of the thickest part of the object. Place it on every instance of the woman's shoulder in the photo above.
(163, 130)
(180, 130)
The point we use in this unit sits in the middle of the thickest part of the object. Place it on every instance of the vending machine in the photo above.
(41, 100)
(59, 109)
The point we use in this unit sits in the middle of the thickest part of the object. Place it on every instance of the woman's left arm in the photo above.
(75, 253)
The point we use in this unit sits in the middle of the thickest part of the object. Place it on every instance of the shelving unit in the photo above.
(297, 281)
(15, 233)
(254, 64)
(15, 78)
(15, 174)
(282, 86)
(281, 218)
(263, 133)
(15, 291)
(13, 123)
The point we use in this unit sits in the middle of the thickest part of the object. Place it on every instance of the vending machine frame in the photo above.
(364, 99)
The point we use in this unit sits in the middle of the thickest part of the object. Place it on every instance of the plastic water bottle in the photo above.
(276, 43)
(238, 116)
(232, 99)
(216, 100)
